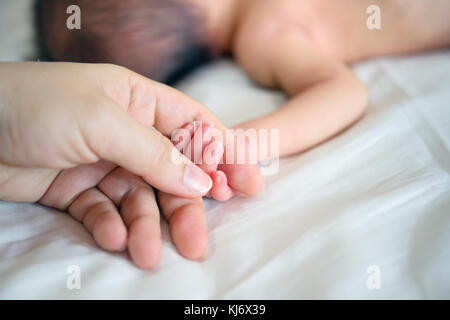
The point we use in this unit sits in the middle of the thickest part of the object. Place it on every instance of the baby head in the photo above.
(161, 39)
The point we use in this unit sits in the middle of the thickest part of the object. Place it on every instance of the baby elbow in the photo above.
(353, 92)
(363, 99)
(360, 98)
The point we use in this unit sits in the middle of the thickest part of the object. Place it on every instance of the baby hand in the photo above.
(203, 144)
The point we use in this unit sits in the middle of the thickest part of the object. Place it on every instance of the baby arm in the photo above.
(326, 97)
(198, 141)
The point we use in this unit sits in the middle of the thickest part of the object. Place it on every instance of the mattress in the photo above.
(365, 215)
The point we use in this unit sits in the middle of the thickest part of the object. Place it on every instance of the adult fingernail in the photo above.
(196, 180)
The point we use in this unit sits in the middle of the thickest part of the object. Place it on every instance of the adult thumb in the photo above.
(117, 137)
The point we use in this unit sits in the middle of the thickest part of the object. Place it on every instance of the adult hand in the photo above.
(79, 137)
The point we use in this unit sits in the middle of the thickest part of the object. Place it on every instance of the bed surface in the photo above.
(376, 197)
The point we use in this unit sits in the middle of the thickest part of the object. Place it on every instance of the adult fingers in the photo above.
(100, 216)
(187, 223)
(115, 136)
(167, 109)
(171, 108)
(140, 213)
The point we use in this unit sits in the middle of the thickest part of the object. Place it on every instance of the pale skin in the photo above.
(302, 47)
(78, 137)
(298, 46)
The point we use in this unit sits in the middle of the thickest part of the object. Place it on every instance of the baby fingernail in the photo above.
(213, 153)
(190, 127)
(207, 129)
(196, 124)
(217, 152)
(196, 180)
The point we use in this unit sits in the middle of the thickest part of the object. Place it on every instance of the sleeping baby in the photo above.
(299, 46)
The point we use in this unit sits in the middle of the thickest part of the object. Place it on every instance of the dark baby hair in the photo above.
(161, 39)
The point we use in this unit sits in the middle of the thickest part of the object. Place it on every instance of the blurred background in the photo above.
(17, 32)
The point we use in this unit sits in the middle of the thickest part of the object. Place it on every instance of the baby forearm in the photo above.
(314, 115)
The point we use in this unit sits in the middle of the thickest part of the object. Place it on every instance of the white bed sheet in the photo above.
(378, 194)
